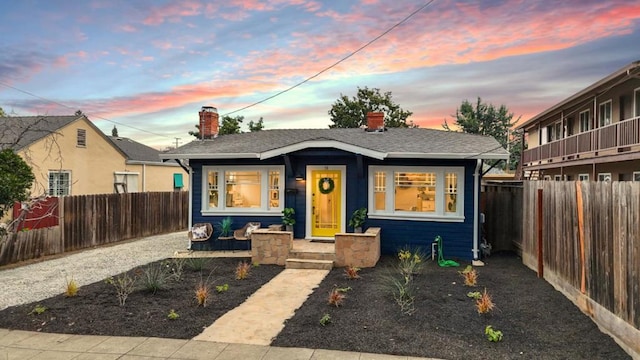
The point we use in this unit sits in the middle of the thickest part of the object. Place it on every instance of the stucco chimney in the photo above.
(209, 124)
(375, 121)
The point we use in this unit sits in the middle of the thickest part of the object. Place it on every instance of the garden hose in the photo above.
(441, 261)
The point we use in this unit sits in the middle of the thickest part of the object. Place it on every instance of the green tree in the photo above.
(352, 113)
(256, 126)
(486, 119)
(230, 125)
(16, 178)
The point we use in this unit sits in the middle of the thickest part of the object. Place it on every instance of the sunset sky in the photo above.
(150, 65)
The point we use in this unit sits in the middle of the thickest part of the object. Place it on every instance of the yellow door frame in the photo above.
(342, 169)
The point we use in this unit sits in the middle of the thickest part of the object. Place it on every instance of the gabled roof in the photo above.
(391, 143)
(135, 151)
(603, 85)
(21, 131)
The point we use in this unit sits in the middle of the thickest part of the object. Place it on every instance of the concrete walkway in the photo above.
(272, 304)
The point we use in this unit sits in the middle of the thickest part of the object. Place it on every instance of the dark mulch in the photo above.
(537, 321)
(96, 311)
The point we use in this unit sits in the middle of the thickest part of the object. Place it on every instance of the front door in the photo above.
(326, 202)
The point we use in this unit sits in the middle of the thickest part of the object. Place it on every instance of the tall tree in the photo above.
(352, 113)
(486, 119)
(230, 125)
(16, 179)
(256, 126)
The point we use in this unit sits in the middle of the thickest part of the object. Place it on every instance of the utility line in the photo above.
(336, 63)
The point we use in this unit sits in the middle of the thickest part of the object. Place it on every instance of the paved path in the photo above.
(272, 304)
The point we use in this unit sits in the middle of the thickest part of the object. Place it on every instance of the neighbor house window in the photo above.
(583, 177)
(604, 177)
(557, 177)
(81, 138)
(126, 182)
(243, 189)
(558, 132)
(604, 113)
(435, 193)
(59, 183)
(636, 176)
(585, 124)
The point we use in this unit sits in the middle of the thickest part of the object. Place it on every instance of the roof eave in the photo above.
(314, 144)
(458, 156)
(211, 156)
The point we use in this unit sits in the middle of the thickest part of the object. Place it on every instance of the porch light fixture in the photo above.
(299, 177)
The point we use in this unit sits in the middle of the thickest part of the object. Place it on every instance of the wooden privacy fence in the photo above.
(501, 205)
(91, 220)
(590, 236)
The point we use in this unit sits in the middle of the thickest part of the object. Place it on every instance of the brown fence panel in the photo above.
(26, 245)
(502, 207)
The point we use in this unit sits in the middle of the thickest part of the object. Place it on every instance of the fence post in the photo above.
(540, 260)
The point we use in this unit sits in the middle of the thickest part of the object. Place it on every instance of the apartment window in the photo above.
(604, 113)
(125, 182)
(551, 133)
(81, 138)
(583, 177)
(557, 178)
(636, 176)
(636, 102)
(569, 128)
(421, 193)
(585, 124)
(246, 189)
(558, 132)
(604, 177)
(59, 183)
(547, 178)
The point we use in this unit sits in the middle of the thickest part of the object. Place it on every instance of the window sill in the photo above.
(241, 212)
(434, 218)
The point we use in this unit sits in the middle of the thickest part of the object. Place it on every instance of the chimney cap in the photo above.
(209, 109)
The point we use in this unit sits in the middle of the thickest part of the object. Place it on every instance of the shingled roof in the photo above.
(135, 151)
(18, 132)
(393, 142)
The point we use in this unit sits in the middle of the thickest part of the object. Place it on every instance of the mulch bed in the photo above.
(96, 310)
(537, 321)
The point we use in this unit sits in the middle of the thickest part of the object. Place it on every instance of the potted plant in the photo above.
(288, 218)
(225, 228)
(357, 219)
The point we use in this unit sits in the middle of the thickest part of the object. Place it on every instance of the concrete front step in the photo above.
(312, 255)
(293, 263)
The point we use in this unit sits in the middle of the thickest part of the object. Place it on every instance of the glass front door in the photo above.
(326, 200)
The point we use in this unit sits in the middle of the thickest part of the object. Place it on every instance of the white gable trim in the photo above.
(409, 155)
(322, 144)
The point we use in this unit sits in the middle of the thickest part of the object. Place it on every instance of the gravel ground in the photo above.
(34, 282)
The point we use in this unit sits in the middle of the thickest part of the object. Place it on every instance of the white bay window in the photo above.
(416, 193)
(242, 189)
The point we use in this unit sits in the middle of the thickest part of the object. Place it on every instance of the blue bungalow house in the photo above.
(415, 183)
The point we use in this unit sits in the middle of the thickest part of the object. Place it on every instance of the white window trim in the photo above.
(557, 177)
(635, 173)
(264, 210)
(583, 177)
(439, 215)
(600, 119)
(588, 121)
(59, 172)
(602, 177)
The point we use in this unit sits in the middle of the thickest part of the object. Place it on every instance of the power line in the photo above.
(69, 107)
(337, 62)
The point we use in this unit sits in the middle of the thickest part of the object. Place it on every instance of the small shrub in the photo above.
(124, 285)
(38, 309)
(403, 291)
(352, 272)
(336, 297)
(156, 277)
(470, 276)
(493, 335)
(72, 288)
(484, 304)
(475, 295)
(222, 288)
(242, 270)
(173, 315)
(202, 294)
(325, 319)
(176, 267)
(197, 264)
(410, 263)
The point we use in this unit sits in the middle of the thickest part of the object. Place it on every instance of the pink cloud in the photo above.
(172, 12)
(128, 28)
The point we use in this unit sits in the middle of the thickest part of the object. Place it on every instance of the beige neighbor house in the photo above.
(592, 135)
(69, 155)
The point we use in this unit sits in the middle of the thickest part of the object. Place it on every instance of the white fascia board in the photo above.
(211, 156)
(447, 156)
(154, 163)
(323, 144)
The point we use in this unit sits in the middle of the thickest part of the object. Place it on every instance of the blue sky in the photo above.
(150, 65)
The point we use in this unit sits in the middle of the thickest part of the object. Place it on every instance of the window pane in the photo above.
(212, 177)
(379, 190)
(415, 192)
(59, 183)
(451, 193)
(274, 189)
(243, 189)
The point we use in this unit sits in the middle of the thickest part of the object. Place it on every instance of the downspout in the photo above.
(476, 211)
(144, 177)
(190, 202)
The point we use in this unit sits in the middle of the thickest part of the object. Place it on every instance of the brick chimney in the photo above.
(208, 122)
(375, 121)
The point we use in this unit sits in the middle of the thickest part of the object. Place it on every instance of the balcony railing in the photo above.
(620, 134)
